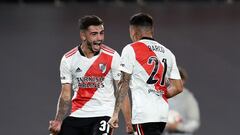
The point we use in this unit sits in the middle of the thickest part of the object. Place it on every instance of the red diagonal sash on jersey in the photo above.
(143, 53)
(85, 94)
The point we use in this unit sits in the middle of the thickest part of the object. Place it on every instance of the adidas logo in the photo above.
(78, 70)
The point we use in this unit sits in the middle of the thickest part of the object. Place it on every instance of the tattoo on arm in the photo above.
(175, 88)
(63, 106)
(123, 87)
(116, 87)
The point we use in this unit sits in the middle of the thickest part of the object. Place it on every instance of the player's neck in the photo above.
(146, 35)
(143, 35)
(86, 51)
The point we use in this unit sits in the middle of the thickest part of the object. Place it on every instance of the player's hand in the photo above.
(172, 126)
(54, 126)
(53, 133)
(129, 128)
(113, 122)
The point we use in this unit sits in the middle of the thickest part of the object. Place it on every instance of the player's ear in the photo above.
(131, 30)
(136, 31)
(82, 36)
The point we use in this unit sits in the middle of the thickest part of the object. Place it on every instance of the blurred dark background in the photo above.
(34, 35)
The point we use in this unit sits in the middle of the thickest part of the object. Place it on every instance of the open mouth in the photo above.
(97, 43)
(96, 47)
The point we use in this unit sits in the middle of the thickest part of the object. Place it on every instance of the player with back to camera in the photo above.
(146, 66)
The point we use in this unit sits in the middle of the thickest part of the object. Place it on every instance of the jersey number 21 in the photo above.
(154, 60)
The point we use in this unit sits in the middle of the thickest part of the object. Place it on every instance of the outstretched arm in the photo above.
(123, 86)
(64, 103)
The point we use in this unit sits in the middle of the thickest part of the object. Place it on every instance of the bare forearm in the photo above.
(175, 88)
(171, 92)
(122, 92)
(62, 109)
(126, 109)
(120, 97)
(64, 102)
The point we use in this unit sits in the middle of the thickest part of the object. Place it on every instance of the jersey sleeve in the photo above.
(115, 66)
(174, 74)
(65, 73)
(127, 59)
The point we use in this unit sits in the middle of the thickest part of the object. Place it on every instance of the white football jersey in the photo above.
(92, 81)
(150, 65)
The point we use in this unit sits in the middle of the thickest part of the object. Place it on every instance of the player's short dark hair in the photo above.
(141, 19)
(89, 20)
(183, 73)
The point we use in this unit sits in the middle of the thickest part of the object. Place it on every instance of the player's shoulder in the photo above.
(70, 53)
(168, 51)
(107, 49)
(130, 45)
(163, 47)
(137, 43)
(128, 48)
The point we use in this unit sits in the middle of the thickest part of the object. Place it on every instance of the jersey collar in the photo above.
(81, 52)
(149, 38)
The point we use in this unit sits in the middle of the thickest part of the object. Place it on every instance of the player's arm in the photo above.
(175, 88)
(126, 110)
(176, 85)
(63, 105)
(123, 86)
(64, 102)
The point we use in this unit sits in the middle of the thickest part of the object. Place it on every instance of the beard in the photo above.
(94, 46)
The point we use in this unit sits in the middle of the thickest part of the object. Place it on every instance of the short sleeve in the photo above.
(174, 74)
(127, 59)
(115, 66)
(65, 73)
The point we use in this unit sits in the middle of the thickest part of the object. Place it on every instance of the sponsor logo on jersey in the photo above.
(90, 82)
(158, 93)
(102, 67)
